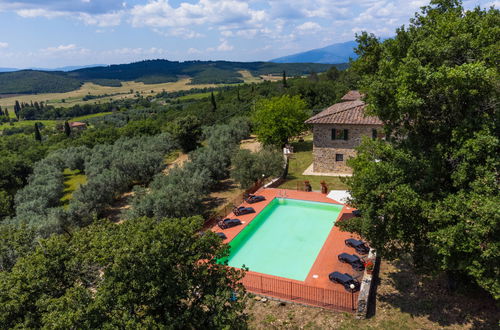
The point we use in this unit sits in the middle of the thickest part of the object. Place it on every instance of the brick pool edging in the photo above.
(322, 266)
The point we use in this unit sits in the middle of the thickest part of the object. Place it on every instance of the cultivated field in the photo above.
(129, 89)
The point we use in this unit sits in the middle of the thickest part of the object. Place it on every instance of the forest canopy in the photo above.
(431, 189)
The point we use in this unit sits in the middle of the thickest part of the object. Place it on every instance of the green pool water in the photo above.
(285, 238)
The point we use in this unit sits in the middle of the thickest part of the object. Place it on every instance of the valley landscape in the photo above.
(353, 185)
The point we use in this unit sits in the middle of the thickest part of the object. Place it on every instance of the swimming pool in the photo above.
(285, 238)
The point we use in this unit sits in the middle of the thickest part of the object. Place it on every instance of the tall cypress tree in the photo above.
(38, 135)
(17, 109)
(6, 112)
(67, 129)
(212, 100)
(284, 80)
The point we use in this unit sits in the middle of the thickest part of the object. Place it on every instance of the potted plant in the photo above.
(369, 266)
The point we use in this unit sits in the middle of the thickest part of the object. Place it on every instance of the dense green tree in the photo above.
(186, 131)
(17, 109)
(213, 102)
(15, 242)
(432, 189)
(38, 135)
(67, 129)
(141, 274)
(141, 128)
(248, 167)
(277, 119)
(5, 204)
(283, 81)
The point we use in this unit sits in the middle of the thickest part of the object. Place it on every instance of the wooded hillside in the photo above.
(148, 72)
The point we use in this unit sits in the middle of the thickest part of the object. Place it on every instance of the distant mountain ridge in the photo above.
(333, 54)
(63, 68)
(148, 72)
(8, 69)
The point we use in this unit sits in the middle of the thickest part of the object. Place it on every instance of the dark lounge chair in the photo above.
(250, 199)
(353, 260)
(243, 210)
(346, 280)
(359, 246)
(228, 223)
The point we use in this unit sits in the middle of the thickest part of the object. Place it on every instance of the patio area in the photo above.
(316, 287)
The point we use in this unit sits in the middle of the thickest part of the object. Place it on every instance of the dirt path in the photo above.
(179, 161)
(114, 212)
(251, 144)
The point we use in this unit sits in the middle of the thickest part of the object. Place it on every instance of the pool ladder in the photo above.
(282, 194)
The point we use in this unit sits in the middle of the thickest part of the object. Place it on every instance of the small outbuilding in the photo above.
(76, 125)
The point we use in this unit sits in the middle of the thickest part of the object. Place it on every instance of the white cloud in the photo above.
(159, 13)
(194, 51)
(308, 27)
(39, 12)
(224, 46)
(179, 32)
(102, 20)
(4, 44)
(100, 13)
(60, 48)
(135, 51)
(70, 49)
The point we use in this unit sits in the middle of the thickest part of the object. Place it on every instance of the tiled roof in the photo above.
(350, 112)
(76, 124)
(352, 96)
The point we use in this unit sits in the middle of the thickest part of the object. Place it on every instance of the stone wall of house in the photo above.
(325, 149)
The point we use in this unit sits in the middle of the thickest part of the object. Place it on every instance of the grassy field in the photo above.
(249, 78)
(196, 96)
(24, 123)
(48, 123)
(90, 116)
(72, 180)
(299, 162)
(122, 92)
(76, 96)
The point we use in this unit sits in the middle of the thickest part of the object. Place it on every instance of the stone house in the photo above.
(337, 130)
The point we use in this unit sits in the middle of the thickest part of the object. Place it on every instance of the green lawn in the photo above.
(90, 116)
(194, 96)
(24, 123)
(299, 162)
(72, 180)
(48, 123)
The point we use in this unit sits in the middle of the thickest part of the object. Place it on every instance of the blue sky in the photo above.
(53, 33)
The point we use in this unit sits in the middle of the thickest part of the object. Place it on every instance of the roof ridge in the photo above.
(318, 115)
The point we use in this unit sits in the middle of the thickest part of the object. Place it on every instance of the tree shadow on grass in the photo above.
(302, 146)
(420, 295)
(220, 196)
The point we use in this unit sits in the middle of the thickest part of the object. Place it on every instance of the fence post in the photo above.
(291, 290)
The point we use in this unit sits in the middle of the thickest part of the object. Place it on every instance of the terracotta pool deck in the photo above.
(326, 261)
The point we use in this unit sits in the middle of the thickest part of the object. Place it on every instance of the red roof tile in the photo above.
(352, 96)
(76, 124)
(350, 112)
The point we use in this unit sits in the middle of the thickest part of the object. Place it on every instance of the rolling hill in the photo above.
(148, 72)
(336, 53)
